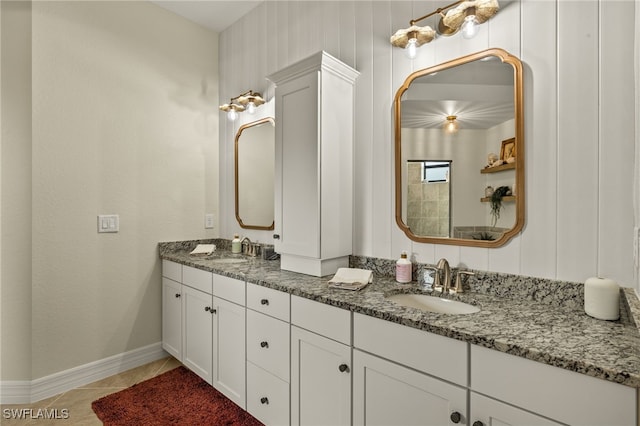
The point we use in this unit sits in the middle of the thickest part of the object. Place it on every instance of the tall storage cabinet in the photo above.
(314, 103)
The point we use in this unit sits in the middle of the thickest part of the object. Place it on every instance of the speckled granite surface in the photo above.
(541, 320)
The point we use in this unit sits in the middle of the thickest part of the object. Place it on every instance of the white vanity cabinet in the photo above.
(172, 317)
(203, 326)
(196, 332)
(554, 393)
(389, 384)
(320, 364)
(228, 338)
(314, 108)
(268, 355)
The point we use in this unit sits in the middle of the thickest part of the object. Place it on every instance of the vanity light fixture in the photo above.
(248, 101)
(460, 15)
(451, 126)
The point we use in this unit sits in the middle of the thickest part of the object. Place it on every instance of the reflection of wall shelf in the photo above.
(505, 198)
(499, 168)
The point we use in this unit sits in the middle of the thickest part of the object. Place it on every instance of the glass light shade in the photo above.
(232, 115)
(470, 27)
(412, 48)
(251, 107)
(451, 125)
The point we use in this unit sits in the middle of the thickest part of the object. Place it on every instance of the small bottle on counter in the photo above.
(403, 269)
(236, 245)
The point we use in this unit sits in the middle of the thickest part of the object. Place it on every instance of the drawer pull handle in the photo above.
(455, 417)
(276, 236)
(264, 344)
(264, 302)
(478, 423)
(344, 368)
(177, 294)
(264, 400)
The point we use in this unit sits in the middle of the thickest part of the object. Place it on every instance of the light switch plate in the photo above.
(108, 223)
(208, 221)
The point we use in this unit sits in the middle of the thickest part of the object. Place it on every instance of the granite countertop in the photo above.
(560, 335)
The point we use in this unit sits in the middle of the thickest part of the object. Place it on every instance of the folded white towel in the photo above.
(203, 250)
(351, 278)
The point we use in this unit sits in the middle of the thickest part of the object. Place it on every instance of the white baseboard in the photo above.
(25, 392)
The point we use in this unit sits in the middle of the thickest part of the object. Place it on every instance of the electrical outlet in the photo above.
(208, 221)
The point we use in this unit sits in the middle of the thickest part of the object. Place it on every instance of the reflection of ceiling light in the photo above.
(451, 125)
(465, 16)
(247, 101)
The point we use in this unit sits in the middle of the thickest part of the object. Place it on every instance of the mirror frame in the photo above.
(236, 173)
(507, 58)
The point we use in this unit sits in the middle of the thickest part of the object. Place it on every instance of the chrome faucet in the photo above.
(443, 283)
(247, 246)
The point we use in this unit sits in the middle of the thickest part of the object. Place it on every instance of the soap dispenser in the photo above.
(403, 269)
(236, 245)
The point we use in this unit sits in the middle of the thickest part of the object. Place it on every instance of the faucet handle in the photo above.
(459, 280)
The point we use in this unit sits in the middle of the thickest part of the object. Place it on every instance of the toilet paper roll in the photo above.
(602, 298)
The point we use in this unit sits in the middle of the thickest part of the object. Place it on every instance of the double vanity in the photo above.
(290, 350)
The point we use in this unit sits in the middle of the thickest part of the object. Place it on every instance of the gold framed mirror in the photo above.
(452, 124)
(254, 158)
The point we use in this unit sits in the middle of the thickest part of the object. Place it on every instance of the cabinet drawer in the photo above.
(230, 289)
(268, 343)
(172, 270)
(424, 351)
(268, 301)
(553, 392)
(197, 278)
(326, 320)
(267, 396)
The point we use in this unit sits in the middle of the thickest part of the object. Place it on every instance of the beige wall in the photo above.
(15, 190)
(579, 121)
(124, 121)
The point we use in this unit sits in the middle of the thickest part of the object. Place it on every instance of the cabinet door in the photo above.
(297, 197)
(172, 318)
(229, 350)
(320, 380)
(494, 413)
(385, 393)
(196, 332)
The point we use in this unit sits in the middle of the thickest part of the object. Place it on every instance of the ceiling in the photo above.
(216, 15)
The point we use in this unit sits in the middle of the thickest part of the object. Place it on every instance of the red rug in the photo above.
(177, 397)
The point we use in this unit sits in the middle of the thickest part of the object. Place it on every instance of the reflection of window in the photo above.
(435, 171)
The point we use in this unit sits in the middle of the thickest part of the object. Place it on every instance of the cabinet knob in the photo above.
(264, 302)
(177, 294)
(213, 311)
(264, 344)
(264, 400)
(207, 308)
(455, 417)
(276, 236)
(478, 423)
(344, 368)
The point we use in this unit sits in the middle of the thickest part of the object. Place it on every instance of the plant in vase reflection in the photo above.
(496, 202)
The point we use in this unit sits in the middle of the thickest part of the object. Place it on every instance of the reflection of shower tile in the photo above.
(430, 209)
(414, 209)
(429, 191)
(414, 173)
(414, 192)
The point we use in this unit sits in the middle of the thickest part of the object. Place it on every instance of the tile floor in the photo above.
(78, 401)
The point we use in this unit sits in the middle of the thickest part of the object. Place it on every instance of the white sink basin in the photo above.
(229, 260)
(433, 304)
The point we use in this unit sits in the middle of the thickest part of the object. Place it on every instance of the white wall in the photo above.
(579, 115)
(123, 120)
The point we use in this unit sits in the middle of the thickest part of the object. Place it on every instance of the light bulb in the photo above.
(251, 107)
(232, 114)
(412, 48)
(451, 125)
(470, 27)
